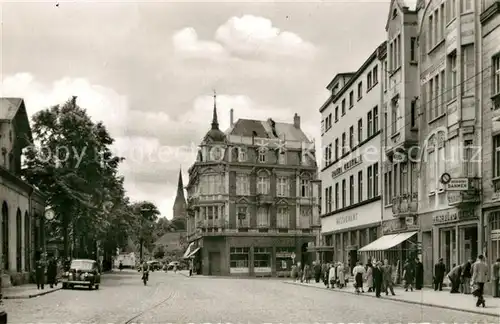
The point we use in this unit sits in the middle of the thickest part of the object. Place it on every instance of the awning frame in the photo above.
(387, 241)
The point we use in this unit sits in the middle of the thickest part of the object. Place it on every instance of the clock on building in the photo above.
(216, 153)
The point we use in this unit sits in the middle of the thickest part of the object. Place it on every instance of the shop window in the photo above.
(494, 236)
(284, 258)
(239, 257)
(262, 259)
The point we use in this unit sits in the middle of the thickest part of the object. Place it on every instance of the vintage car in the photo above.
(82, 272)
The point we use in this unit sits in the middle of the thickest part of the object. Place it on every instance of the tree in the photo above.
(146, 215)
(73, 165)
(159, 252)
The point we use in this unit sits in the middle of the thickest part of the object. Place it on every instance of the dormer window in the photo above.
(262, 156)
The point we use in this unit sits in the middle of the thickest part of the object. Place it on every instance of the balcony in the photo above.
(211, 223)
(214, 197)
(405, 205)
(462, 192)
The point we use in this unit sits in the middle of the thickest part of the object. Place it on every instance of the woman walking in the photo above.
(369, 276)
(408, 275)
(341, 275)
(307, 273)
(358, 272)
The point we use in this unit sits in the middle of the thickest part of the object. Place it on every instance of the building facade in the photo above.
(351, 189)
(490, 60)
(23, 207)
(449, 40)
(250, 203)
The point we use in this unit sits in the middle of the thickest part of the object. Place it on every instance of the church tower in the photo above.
(180, 206)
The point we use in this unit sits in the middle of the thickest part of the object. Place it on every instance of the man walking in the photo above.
(479, 277)
(40, 271)
(377, 278)
(387, 278)
(439, 271)
(495, 276)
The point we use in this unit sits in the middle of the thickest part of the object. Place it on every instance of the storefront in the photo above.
(493, 230)
(455, 236)
(262, 261)
(239, 260)
(284, 260)
(351, 229)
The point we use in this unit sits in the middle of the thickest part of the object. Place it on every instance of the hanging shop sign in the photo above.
(347, 166)
(458, 184)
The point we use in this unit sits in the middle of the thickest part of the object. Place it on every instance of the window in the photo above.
(395, 186)
(442, 94)
(451, 9)
(394, 115)
(351, 99)
(369, 126)
(375, 75)
(263, 185)
(468, 159)
(442, 22)
(327, 155)
(282, 217)
(369, 80)
(242, 155)
(262, 217)
(360, 186)
(375, 120)
(337, 195)
(441, 163)
(336, 149)
(413, 114)
(413, 49)
(431, 31)
(337, 114)
(375, 180)
(328, 199)
(329, 123)
(351, 137)
(385, 72)
(282, 156)
(437, 96)
(360, 90)
(360, 130)
(369, 185)
(351, 190)
(431, 99)
(414, 177)
(282, 187)
(305, 188)
(344, 193)
(343, 144)
(262, 156)
(387, 188)
(305, 216)
(496, 156)
(386, 127)
(452, 61)
(343, 107)
(262, 258)
(496, 75)
(466, 5)
(432, 171)
(212, 185)
(242, 185)
(239, 257)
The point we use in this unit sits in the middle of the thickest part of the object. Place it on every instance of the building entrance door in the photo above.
(214, 267)
(468, 244)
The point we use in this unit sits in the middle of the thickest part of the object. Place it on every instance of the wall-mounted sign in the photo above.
(409, 221)
(454, 216)
(238, 270)
(445, 178)
(262, 270)
(347, 166)
(283, 254)
(458, 184)
(347, 218)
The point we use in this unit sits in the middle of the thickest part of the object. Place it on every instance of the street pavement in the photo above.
(175, 298)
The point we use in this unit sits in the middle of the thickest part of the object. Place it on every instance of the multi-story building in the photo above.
(250, 205)
(23, 207)
(400, 88)
(450, 123)
(490, 66)
(351, 204)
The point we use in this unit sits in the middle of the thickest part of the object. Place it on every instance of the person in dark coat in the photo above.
(409, 274)
(317, 271)
(419, 275)
(439, 272)
(39, 271)
(455, 276)
(378, 277)
(51, 272)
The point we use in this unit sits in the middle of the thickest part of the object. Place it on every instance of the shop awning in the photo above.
(387, 241)
(192, 253)
(188, 250)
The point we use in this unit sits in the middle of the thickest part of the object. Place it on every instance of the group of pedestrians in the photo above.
(46, 267)
(376, 277)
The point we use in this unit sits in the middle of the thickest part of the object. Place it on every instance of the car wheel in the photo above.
(64, 286)
(90, 287)
(96, 287)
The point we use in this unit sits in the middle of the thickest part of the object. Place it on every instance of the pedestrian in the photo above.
(331, 277)
(325, 268)
(439, 272)
(419, 274)
(466, 276)
(408, 274)
(479, 277)
(293, 272)
(341, 275)
(455, 275)
(378, 276)
(387, 278)
(307, 273)
(358, 272)
(317, 272)
(369, 276)
(39, 271)
(495, 278)
(51, 271)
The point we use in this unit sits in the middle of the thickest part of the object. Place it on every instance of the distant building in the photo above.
(22, 224)
(250, 198)
(180, 206)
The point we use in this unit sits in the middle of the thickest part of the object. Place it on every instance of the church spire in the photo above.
(179, 208)
(180, 186)
(215, 122)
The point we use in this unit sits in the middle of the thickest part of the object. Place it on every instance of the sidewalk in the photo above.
(27, 291)
(425, 297)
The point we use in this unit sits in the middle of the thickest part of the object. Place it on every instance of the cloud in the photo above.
(243, 37)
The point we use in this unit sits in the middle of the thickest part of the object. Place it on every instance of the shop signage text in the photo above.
(458, 184)
(238, 270)
(283, 254)
(397, 225)
(347, 166)
(262, 270)
(453, 216)
(347, 219)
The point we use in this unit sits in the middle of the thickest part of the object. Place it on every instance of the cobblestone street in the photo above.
(174, 298)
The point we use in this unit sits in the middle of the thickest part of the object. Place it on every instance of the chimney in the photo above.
(231, 117)
(296, 121)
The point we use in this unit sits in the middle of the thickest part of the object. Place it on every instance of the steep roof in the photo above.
(9, 107)
(263, 129)
(14, 109)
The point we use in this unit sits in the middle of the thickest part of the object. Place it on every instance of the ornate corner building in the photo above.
(253, 205)
(23, 207)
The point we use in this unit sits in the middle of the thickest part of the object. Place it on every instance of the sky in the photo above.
(148, 69)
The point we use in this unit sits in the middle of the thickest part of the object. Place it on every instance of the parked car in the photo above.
(173, 264)
(154, 265)
(82, 272)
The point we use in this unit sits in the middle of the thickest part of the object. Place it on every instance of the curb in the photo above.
(32, 295)
(496, 314)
